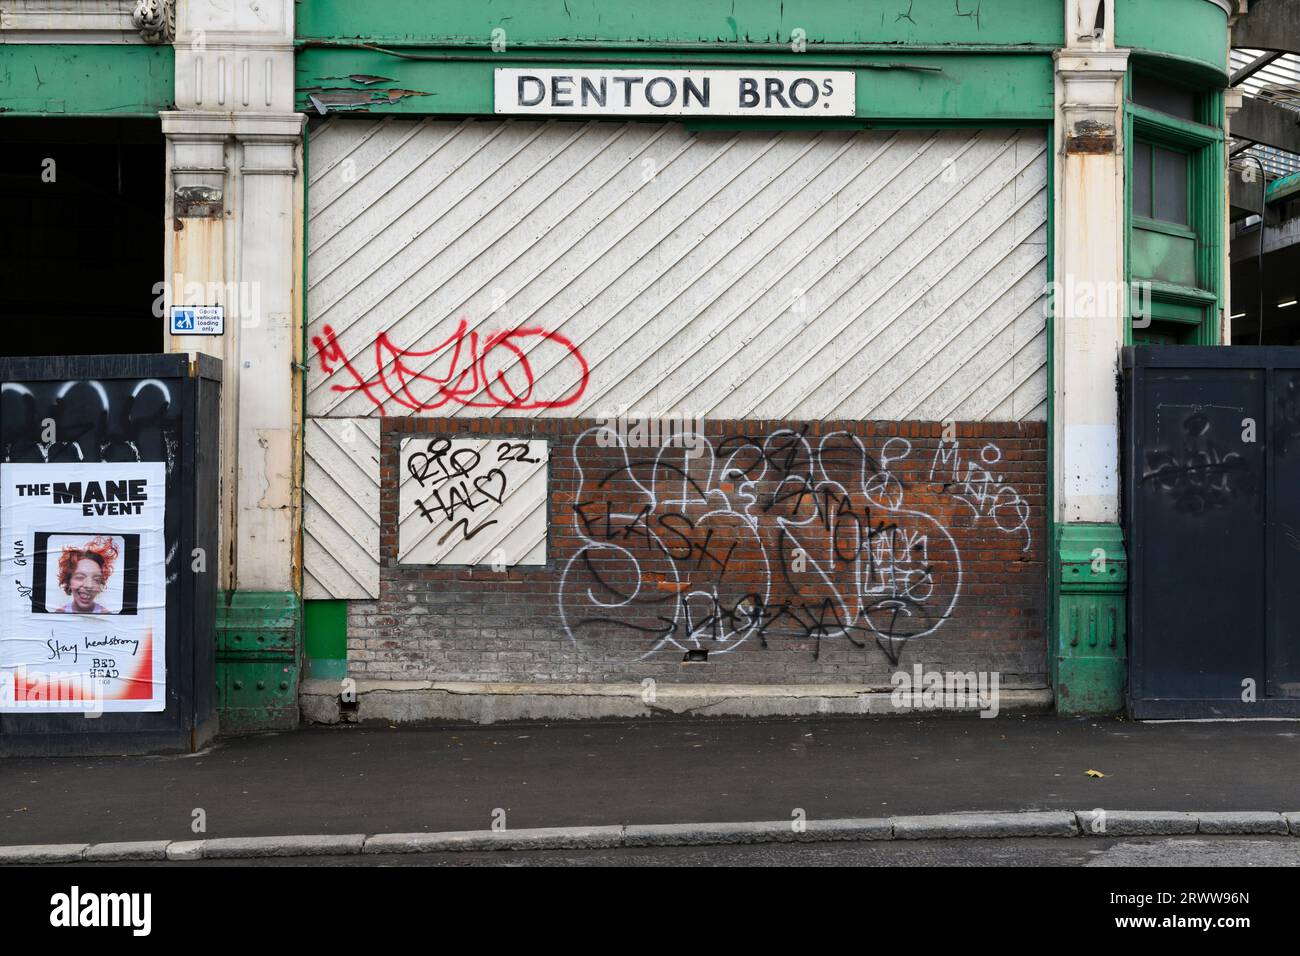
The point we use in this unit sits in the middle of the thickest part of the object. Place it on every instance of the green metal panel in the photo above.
(1192, 32)
(1088, 662)
(1281, 188)
(325, 627)
(38, 79)
(259, 655)
(935, 87)
(689, 22)
(1159, 255)
(257, 695)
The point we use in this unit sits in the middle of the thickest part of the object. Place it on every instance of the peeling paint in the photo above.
(365, 79)
(277, 469)
(344, 99)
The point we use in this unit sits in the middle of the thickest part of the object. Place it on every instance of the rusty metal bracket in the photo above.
(198, 202)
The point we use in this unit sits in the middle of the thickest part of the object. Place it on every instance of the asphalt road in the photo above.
(374, 780)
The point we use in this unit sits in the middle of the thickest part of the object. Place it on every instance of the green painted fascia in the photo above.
(694, 23)
(70, 79)
(325, 631)
(933, 87)
(1191, 35)
(1281, 188)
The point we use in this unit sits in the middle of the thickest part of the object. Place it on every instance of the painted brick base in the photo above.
(827, 552)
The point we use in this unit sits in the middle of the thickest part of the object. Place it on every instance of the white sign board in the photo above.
(655, 92)
(198, 320)
(83, 588)
(471, 501)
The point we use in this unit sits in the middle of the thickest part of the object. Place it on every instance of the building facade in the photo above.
(589, 358)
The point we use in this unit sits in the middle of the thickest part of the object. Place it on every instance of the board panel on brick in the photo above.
(472, 501)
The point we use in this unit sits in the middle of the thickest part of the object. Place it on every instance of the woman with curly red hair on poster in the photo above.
(84, 573)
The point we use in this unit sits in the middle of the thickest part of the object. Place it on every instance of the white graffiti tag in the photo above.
(752, 538)
(986, 494)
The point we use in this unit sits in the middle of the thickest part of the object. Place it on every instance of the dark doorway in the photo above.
(81, 222)
(1212, 508)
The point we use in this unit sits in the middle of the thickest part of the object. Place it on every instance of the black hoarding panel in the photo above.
(1284, 535)
(63, 412)
(1212, 482)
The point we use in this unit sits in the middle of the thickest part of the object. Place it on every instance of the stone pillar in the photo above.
(1232, 103)
(234, 239)
(1090, 303)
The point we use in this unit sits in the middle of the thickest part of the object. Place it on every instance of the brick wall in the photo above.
(794, 552)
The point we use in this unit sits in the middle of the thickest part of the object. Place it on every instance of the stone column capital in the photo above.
(247, 127)
(1092, 96)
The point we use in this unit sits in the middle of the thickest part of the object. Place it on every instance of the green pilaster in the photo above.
(259, 656)
(325, 627)
(1089, 585)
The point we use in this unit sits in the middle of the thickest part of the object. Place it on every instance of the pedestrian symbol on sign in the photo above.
(184, 319)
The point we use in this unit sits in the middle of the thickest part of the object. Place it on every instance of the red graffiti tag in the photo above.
(492, 373)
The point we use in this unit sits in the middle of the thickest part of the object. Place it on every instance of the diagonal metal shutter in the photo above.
(800, 275)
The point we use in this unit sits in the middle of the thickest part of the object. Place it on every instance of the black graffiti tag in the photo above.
(777, 538)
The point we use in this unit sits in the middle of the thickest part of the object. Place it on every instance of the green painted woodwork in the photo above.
(1183, 264)
(1160, 255)
(325, 632)
(745, 23)
(1089, 604)
(43, 79)
(1187, 34)
(1209, 216)
(1281, 188)
(1179, 304)
(259, 655)
(1174, 130)
(937, 87)
(1160, 333)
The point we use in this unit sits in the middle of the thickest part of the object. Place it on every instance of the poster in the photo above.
(82, 587)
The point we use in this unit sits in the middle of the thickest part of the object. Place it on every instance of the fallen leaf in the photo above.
(1095, 773)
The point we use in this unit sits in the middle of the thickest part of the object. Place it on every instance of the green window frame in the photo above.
(1182, 288)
